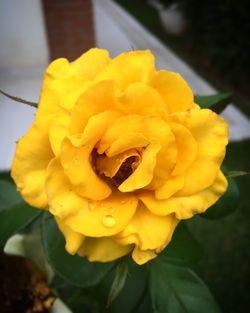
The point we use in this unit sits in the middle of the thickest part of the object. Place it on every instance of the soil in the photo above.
(23, 287)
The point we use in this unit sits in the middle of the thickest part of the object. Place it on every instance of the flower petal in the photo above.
(186, 206)
(32, 156)
(174, 90)
(143, 175)
(172, 185)
(131, 140)
(103, 249)
(76, 158)
(90, 63)
(186, 146)
(143, 256)
(90, 218)
(110, 166)
(147, 230)
(58, 131)
(128, 67)
(211, 134)
(73, 239)
(141, 99)
(64, 81)
(96, 99)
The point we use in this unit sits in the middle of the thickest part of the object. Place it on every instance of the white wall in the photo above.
(22, 34)
(23, 59)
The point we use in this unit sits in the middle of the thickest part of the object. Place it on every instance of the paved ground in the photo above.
(116, 31)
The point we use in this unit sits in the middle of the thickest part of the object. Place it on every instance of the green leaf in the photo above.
(227, 204)
(30, 103)
(135, 290)
(119, 280)
(233, 174)
(217, 102)
(15, 214)
(176, 288)
(8, 194)
(75, 270)
(183, 246)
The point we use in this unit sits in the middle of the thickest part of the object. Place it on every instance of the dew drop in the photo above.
(92, 206)
(108, 221)
(76, 161)
(124, 201)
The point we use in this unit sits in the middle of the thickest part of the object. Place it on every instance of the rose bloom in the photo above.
(119, 153)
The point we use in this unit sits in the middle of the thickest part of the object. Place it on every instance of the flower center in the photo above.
(116, 169)
(126, 169)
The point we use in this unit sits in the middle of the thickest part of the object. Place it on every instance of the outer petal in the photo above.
(147, 230)
(90, 218)
(52, 91)
(90, 63)
(58, 131)
(73, 239)
(129, 67)
(187, 148)
(143, 256)
(211, 134)
(31, 159)
(172, 185)
(142, 99)
(65, 81)
(174, 90)
(186, 206)
(103, 249)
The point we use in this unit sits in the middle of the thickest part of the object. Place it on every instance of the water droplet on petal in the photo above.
(108, 221)
(124, 201)
(76, 161)
(92, 206)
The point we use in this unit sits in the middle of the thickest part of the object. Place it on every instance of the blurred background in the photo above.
(207, 42)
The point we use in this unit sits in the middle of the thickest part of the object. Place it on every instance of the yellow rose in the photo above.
(119, 153)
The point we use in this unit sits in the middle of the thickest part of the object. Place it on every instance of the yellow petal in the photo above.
(211, 134)
(96, 99)
(58, 131)
(52, 90)
(172, 185)
(129, 141)
(64, 81)
(90, 218)
(129, 67)
(147, 230)
(143, 256)
(76, 160)
(110, 166)
(186, 206)
(90, 63)
(143, 175)
(187, 148)
(103, 249)
(32, 156)
(73, 239)
(153, 128)
(174, 90)
(141, 99)
(166, 160)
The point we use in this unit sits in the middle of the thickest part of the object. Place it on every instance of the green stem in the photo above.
(30, 103)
